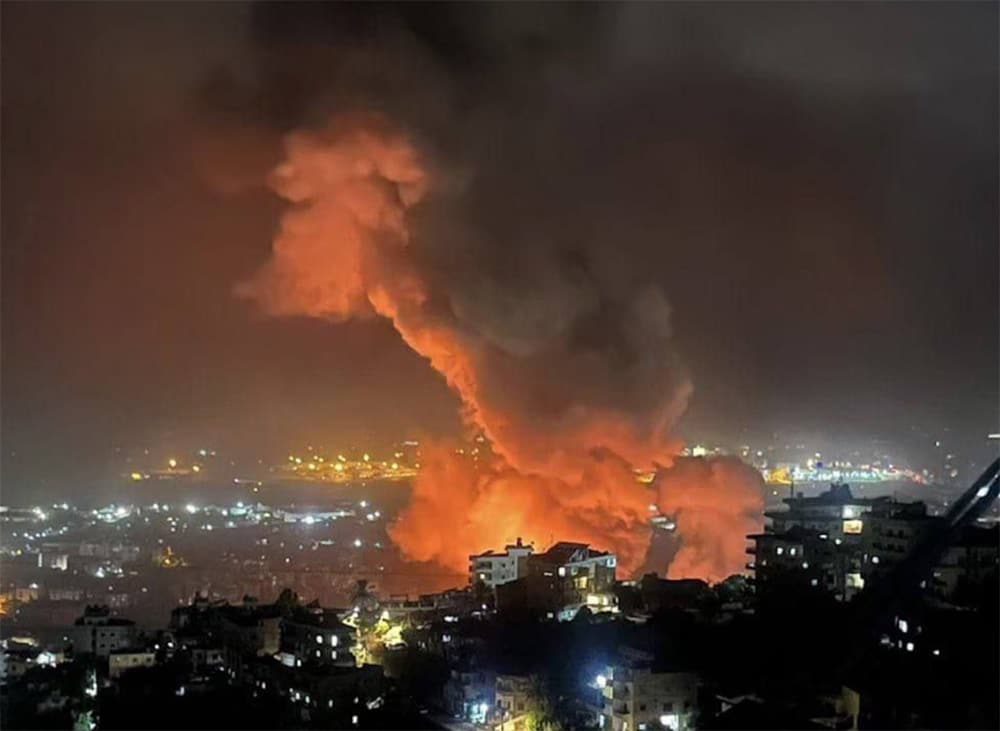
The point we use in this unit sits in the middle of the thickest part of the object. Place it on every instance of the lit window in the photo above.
(333, 640)
(779, 550)
(909, 647)
(853, 527)
(319, 639)
(874, 559)
(903, 625)
(562, 570)
(792, 551)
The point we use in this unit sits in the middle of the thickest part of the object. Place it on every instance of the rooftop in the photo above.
(567, 552)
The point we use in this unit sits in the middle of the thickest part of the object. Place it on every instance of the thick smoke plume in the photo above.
(569, 373)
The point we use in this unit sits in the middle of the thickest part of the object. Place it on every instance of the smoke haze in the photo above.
(757, 216)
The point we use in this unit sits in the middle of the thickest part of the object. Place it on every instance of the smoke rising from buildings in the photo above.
(572, 378)
(787, 177)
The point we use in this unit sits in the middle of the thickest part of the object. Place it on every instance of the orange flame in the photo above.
(564, 465)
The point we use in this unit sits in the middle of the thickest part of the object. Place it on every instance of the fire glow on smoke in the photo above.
(573, 381)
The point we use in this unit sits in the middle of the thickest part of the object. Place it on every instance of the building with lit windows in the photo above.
(582, 569)
(121, 661)
(640, 697)
(836, 513)
(315, 635)
(561, 580)
(892, 530)
(513, 700)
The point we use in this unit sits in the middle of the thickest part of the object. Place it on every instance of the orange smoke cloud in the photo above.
(716, 503)
(569, 416)
(459, 506)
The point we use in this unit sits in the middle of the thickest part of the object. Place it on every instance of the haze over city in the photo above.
(534, 310)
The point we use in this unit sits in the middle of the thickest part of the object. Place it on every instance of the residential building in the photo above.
(586, 575)
(513, 702)
(493, 568)
(120, 661)
(313, 634)
(638, 697)
(98, 633)
(892, 530)
(469, 694)
(836, 513)
(968, 564)
(561, 580)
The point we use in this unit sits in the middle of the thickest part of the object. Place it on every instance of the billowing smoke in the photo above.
(566, 368)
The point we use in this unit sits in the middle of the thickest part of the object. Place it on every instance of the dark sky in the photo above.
(813, 185)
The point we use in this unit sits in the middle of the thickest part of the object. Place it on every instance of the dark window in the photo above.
(668, 707)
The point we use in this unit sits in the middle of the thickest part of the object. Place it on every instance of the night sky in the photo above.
(813, 186)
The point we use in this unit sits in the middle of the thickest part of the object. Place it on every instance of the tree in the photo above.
(545, 711)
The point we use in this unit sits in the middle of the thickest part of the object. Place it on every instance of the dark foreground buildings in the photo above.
(817, 638)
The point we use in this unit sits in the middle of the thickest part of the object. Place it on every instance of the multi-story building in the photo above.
(468, 693)
(807, 556)
(836, 513)
(818, 540)
(249, 629)
(967, 564)
(312, 634)
(582, 571)
(98, 633)
(120, 661)
(891, 531)
(493, 568)
(842, 543)
(513, 702)
(563, 579)
(637, 697)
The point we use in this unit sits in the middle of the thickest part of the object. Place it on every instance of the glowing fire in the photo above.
(569, 425)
